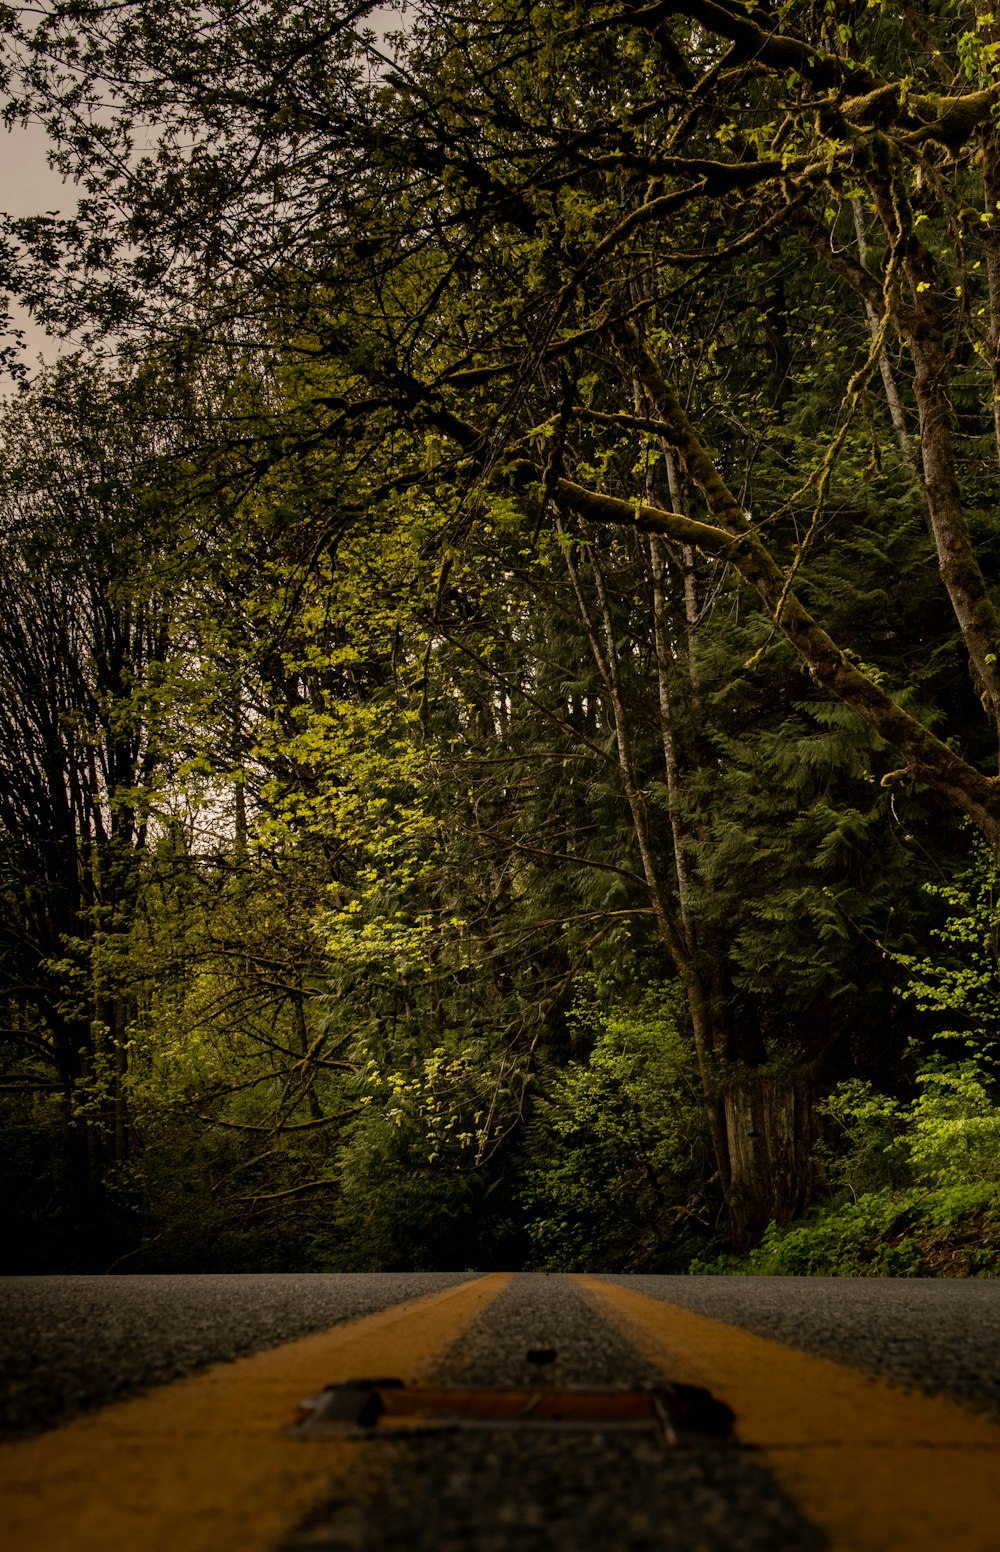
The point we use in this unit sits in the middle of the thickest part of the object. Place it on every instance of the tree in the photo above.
(87, 594)
(505, 264)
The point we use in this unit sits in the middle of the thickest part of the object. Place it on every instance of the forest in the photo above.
(500, 638)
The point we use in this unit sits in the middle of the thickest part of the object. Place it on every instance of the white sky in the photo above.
(28, 187)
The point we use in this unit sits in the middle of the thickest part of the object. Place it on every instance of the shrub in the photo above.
(617, 1150)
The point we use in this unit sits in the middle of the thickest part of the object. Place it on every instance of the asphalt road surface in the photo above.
(70, 1344)
(939, 1335)
(836, 1442)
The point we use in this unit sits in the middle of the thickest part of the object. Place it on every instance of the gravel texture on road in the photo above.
(71, 1344)
(938, 1335)
(561, 1492)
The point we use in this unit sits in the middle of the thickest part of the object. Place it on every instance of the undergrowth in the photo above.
(953, 1231)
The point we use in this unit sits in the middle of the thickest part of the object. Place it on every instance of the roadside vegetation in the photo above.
(500, 640)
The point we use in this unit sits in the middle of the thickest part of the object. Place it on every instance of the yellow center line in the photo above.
(879, 1468)
(203, 1464)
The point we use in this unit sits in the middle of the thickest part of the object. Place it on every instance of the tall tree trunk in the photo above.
(678, 502)
(240, 828)
(768, 1120)
(308, 1071)
(670, 765)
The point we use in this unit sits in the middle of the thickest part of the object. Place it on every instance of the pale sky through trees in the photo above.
(29, 186)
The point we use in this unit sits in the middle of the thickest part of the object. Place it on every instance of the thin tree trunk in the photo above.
(768, 1120)
(308, 1078)
(678, 503)
(893, 402)
(240, 831)
(670, 765)
(120, 1038)
(990, 31)
(606, 658)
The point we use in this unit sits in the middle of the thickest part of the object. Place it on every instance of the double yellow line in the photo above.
(204, 1464)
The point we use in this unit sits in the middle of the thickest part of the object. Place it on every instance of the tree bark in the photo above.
(990, 142)
(894, 403)
(771, 1130)
(920, 326)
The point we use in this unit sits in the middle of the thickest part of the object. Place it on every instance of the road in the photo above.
(154, 1413)
(70, 1344)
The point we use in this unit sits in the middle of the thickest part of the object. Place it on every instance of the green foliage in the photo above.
(947, 1232)
(867, 1150)
(616, 1149)
(959, 984)
(953, 1136)
(949, 1134)
(916, 1183)
(400, 1209)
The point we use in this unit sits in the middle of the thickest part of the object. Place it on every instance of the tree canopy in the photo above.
(570, 460)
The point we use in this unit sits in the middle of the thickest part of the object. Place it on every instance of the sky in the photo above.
(28, 186)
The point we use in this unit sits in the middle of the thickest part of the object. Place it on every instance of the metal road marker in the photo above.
(204, 1464)
(878, 1468)
(390, 1409)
